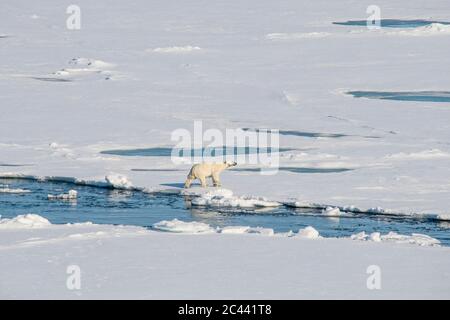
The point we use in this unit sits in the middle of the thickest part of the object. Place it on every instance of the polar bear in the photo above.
(202, 171)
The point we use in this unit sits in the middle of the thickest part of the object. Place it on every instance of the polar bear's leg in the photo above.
(202, 181)
(216, 179)
(188, 182)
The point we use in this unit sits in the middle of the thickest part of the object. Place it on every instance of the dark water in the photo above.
(13, 165)
(419, 96)
(304, 134)
(108, 206)
(393, 23)
(208, 151)
(307, 134)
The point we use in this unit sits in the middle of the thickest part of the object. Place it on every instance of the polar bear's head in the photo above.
(230, 164)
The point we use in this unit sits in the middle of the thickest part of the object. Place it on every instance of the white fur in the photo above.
(202, 171)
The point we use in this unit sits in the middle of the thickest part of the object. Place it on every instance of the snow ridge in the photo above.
(176, 49)
(24, 221)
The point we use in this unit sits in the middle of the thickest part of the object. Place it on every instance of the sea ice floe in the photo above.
(415, 238)
(443, 216)
(11, 190)
(308, 233)
(71, 195)
(234, 230)
(225, 198)
(294, 203)
(178, 226)
(243, 229)
(118, 181)
(375, 237)
(24, 221)
(377, 210)
(331, 211)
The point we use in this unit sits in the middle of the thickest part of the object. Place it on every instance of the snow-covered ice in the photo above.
(71, 195)
(80, 69)
(243, 229)
(420, 155)
(183, 227)
(13, 190)
(415, 238)
(24, 221)
(332, 212)
(193, 227)
(61, 107)
(132, 262)
(434, 29)
(163, 92)
(294, 36)
(308, 233)
(225, 198)
(118, 181)
(176, 49)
